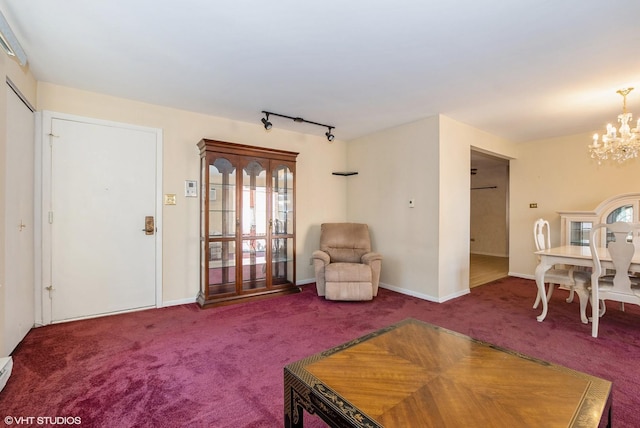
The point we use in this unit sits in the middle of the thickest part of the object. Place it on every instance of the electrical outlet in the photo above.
(533, 205)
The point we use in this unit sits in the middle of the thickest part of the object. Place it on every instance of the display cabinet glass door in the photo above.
(579, 234)
(254, 224)
(221, 202)
(282, 243)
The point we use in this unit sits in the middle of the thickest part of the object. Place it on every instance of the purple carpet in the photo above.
(223, 367)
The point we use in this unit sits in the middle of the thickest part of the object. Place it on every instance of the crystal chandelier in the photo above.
(618, 145)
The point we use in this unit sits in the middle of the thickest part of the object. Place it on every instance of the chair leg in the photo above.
(548, 297)
(596, 313)
(584, 297)
(594, 322)
(550, 292)
(571, 292)
(602, 308)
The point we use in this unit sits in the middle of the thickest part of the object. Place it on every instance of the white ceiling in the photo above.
(523, 70)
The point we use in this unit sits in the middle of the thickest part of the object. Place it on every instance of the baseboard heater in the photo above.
(6, 364)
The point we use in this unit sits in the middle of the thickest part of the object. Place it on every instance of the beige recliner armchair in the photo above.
(345, 266)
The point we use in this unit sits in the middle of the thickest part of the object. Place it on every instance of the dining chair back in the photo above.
(568, 279)
(619, 240)
(542, 234)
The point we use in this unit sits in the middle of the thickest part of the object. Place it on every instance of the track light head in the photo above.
(329, 135)
(266, 123)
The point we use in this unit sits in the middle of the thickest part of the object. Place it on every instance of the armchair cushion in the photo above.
(347, 272)
(348, 291)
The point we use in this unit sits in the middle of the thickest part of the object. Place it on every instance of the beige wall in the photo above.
(425, 248)
(394, 166)
(558, 175)
(320, 195)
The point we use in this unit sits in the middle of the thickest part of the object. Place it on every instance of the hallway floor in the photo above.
(483, 269)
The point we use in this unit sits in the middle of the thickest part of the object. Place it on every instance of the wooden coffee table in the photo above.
(413, 374)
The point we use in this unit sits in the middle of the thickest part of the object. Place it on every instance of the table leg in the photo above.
(541, 269)
(292, 410)
(293, 404)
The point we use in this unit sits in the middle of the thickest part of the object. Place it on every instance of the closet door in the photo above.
(19, 305)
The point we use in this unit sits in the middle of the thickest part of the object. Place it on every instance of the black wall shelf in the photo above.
(345, 174)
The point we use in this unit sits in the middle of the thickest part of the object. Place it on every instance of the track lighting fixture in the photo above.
(329, 135)
(268, 125)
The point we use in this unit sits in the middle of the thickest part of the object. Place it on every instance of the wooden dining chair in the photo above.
(566, 278)
(619, 239)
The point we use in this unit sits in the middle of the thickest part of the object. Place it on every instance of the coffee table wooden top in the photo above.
(415, 374)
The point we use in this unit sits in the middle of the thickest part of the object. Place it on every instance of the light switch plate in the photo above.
(170, 199)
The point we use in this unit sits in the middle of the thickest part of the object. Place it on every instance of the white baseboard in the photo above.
(522, 275)
(186, 301)
(424, 296)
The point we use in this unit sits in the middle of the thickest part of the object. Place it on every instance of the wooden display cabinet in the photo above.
(247, 222)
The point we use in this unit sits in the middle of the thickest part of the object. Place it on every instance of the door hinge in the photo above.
(51, 137)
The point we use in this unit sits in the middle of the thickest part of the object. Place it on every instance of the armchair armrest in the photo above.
(322, 256)
(320, 261)
(374, 260)
(370, 258)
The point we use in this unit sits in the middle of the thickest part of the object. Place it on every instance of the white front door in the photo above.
(104, 183)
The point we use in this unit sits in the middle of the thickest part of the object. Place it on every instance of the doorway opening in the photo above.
(489, 218)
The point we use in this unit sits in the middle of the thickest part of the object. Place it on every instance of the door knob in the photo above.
(149, 225)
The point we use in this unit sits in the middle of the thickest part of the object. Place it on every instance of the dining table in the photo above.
(572, 255)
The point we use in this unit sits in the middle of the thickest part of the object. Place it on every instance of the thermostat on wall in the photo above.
(191, 188)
